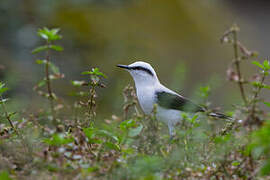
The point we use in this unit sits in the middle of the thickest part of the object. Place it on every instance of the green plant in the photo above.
(50, 36)
(7, 114)
(93, 83)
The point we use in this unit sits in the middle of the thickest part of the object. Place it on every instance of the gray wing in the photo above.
(174, 101)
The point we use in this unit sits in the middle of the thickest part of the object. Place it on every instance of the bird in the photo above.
(170, 105)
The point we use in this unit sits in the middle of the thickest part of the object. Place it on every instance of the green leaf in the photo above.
(267, 103)
(54, 68)
(89, 132)
(266, 86)
(56, 47)
(257, 84)
(135, 131)
(86, 72)
(58, 140)
(2, 85)
(127, 124)
(258, 64)
(235, 163)
(2, 90)
(78, 83)
(11, 114)
(204, 91)
(107, 134)
(91, 169)
(49, 34)
(194, 118)
(266, 65)
(41, 83)
(47, 47)
(39, 61)
(40, 48)
(265, 170)
(95, 71)
(113, 146)
(4, 175)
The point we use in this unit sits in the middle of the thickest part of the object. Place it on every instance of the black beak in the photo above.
(123, 66)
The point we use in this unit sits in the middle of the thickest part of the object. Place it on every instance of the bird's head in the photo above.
(142, 72)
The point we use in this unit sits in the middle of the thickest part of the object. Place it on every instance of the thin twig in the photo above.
(256, 94)
(91, 102)
(8, 117)
(24, 143)
(49, 88)
(237, 63)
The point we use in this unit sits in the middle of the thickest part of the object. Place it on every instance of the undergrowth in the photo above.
(133, 145)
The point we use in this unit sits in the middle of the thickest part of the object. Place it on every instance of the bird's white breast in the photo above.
(146, 98)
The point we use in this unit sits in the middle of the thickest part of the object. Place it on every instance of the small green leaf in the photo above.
(55, 31)
(266, 65)
(2, 85)
(265, 170)
(235, 163)
(127, 124)
(194, 118)
(41, 83)
(204, 91)
(49, 34)
(54, 68)
(266, 86)
(86, 72)
(40, 48)
(135, 131)
(58, 140)
(89, 132)
(78, 83)
(39, 61)
(4, 175)
(2, 90)
(12, 114)
(257, 84)
(113, 146)
(91, 169)
(267, 103)
(95, 71)
(43, 33)
(105, 133)
(258, 64)
(56, 47)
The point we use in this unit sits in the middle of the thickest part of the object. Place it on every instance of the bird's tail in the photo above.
(219, 115)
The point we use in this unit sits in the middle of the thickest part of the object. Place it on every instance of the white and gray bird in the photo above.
(169, 104)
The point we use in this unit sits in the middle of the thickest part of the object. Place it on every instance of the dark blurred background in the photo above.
(179, 38)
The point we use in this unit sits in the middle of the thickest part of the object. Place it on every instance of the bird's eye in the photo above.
(140, 68)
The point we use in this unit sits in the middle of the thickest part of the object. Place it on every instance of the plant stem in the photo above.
(49, 83)
(256, 94)
(237, 64)
(24, 143)
(8, 117)
(91, 102)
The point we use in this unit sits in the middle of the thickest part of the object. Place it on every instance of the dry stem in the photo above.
(49, 88)
(237, 63)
